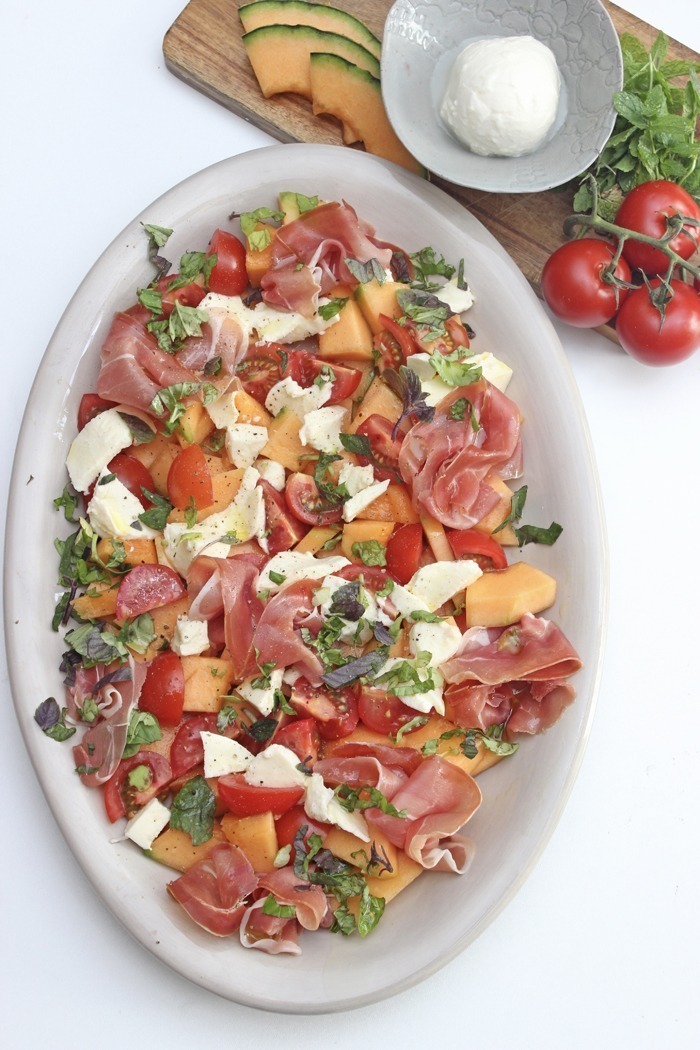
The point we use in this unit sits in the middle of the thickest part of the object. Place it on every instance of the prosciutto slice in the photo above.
(525, 707)
(286, 887)
(445, 461)
(101, 748)
(269, 933)
(277, 636)
(213, 891)
(534, 650)
(359, 764)
(227, 586)
(439, 797)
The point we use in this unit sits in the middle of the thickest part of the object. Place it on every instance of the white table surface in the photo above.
(599, 949)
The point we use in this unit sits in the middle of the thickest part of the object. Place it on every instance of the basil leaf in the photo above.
(282, 911)
(193, 810)
(143, 729)
(455, 368)
(328, 310)
(366, 272)
(141, 433)
(370, 552)
(156, 516)
(68, 500)
(368, 664)
(537, 534)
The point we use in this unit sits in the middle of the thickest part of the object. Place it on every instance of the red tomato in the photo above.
(374, 577)
(90, 406)
(301, 737)
(335, 710)
(132, 474)
(261, 368)
(187, 749)
(121, 799)
(455, 335)
(147, 587)
(645, 210)
(245, 800)
(163, 692)
(572, 285)
(304, 368)
(187, 294)
(284, 530)
(189, 479)
(382, 712)
(385, 448)
(307, 504)
(394, 343)
(470, 543)
(403, 552)
(288, 824)
(228, 277)
(644, 335)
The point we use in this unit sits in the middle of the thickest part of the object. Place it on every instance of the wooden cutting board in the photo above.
(204, 48)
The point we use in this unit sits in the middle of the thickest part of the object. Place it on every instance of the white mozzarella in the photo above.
(435, 584)
(276, 766)
(244, 442)
(272, 471)
(148, 823)
(458, 299)
(355, 478)
(271, 325)
(322, 428)
(262, 698)
(298, 399)
(324, 598)
(190, 637)
(431, 699)
(98, 442)
(295, 565)
(356, 504)
(441, 640)
(405, 602)
(113, 511)
(497, 372)
(432, 385)
(223, 412)
(223, 755)
(321, 804)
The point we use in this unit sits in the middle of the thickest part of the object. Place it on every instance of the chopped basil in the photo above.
(193, 810)
(51, 719)
(360, 446)
(138, 633)
(262, 729)
(365, 272)
(455, 369)
(370, 552)
(94, 645)
(282, 911)
(258, 240)
(366, 797)
(89, 711)
(143, 729)
(170, 399)
(425, 309)
(156, 516)
(404, 678)
(68, 500)
(141, 433)
(151, 299)
(277, 577)
(427, 265)
(528, 533)
(328, 310)
(226, 717)
(409, 727)
(517, 505)
(425, 616)
(365, 665)
(333, 542)
(331, 492)
(157, 237)
(386, 590)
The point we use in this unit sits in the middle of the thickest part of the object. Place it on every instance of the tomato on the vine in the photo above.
(573, 286)
(657, 340)
(645, 210)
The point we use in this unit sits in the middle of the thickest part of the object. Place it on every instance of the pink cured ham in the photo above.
(227, 586)
(439, 798)
(271, 934)
(360, 764)
(321, 240)
(213, 891)
(101, 748)
(533, 650)
(134, 368)
(287, 888)
(277, 636)
(221, 338)
(445, 461)
(525, 707)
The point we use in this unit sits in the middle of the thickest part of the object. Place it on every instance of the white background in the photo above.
(599, 949)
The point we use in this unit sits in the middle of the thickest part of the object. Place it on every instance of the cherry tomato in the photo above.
(470, 543)
(190, 294)
(189, 479)
(261, 369)
(288, 824)
(307, 504)
(245, 800)
(572, 285)
(284, 530)
(228, 276)
(123, 799)
(305, 368)
(403, 552)
(644, 210)
(187, 749)
(455, 335)
(335, 710)
(147, 587)
(382, 712)
(163, 692)
(385, 447)
(90, 406)
(133, 475)
(643, 335)
(301, 737)
(394, 343)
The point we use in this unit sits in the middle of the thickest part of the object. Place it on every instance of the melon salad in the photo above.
(294, 636)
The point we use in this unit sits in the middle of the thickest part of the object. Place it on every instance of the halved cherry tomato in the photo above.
(133, 475)
(245, 800)
(455, 335)
(190, 294)
(121, 798)
(187, 749)
(403, 552)
(284, 530)
(304, 368)
(228, 276)
(385, 447)
(262, 368)
(382, 712)
(335, 710)
(90, 406)
(394, 342)
(147, 587)
(301, 737)
(470, 543)
(163, 692)
(374, 577)
(288, 824)
(189, 479)
(307, 504)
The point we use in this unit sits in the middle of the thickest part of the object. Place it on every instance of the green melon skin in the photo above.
(318, 16)
(281, 56)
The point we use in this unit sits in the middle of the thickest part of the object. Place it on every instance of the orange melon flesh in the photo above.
(319, 16)
(281, 56)
(354, 97)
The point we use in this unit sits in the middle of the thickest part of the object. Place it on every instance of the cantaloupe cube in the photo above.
(407, 871)
(207, 679)
(255, 835)
(393, 505)
(137, 552)
(505, 536)
(251, 411)
(99, 603)
(360, 531)
(164, 620)
(257, 263)
(353, 850)
(194, 425)
(375, 299)
(174, 848)
(350, 338)
(283, 444)
(379, 400)
(503, 596)
(157, 456)
(316, 537)
(225, 485)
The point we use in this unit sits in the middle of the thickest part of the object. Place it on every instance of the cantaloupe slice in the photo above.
(281, 56)
(298, 13)
(353, 95)
(503, 596)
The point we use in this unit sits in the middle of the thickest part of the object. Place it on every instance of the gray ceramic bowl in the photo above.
(421, 41)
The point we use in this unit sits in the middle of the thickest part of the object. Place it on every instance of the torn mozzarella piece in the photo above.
(435, 584)
(191, 637)
(322, 427)
(271, 325)
(321, 804)
(222, 755)
(102, 437)
(276, 766)
(148, 823)
(113, 511)
(298, 399)
(272, 472)
(244, 442)
(441, 640)
(297, 565)
(356, 504)
(262, 697)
